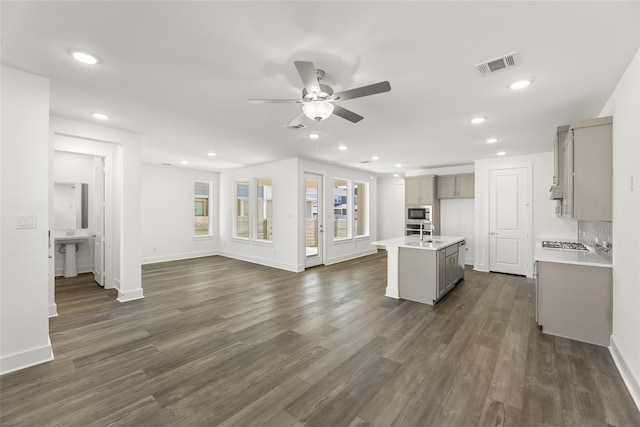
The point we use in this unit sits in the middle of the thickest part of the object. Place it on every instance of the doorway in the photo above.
(508, 220)
(314, 224)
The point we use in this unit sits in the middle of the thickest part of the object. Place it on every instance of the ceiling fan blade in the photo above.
(308, 75)
(296, 123)
(269, 101)
(346, 114)
(363, 91)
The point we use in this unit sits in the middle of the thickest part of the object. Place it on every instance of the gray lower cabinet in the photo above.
(575, 301)
(427, 275)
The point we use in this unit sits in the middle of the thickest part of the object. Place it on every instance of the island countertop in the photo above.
(432, 243)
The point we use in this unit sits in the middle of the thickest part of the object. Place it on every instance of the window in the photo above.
(341, 223)
(264, 215)
(202, 207)
(360, 214)
(242, 209)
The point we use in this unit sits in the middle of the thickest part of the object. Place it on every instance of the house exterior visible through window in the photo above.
(202, 207)
(242, 209)
(360, 213)
(264, 209)
(341, 214)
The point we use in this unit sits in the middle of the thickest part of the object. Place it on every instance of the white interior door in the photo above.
(508, 220)
(98, 212)
(314, 224)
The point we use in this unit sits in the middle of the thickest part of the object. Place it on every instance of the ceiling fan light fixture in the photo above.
(317, 110)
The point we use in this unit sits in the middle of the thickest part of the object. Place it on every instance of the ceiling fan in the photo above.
(318, 99)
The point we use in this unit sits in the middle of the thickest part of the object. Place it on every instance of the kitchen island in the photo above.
(423, 270)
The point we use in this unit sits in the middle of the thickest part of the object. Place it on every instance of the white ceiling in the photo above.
(180, 73)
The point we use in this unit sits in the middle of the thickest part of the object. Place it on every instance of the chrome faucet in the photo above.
(422, 223)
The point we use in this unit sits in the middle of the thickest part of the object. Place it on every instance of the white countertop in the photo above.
(432, 243)
(563, 256)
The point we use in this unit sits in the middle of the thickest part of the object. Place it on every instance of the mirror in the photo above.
(70, 205)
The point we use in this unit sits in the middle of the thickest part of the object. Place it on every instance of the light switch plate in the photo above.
(26, 221)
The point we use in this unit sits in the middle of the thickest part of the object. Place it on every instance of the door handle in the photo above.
(321, 228)
(493, 234)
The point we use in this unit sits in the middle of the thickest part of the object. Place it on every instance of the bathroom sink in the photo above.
(70, 240)
(70, 263)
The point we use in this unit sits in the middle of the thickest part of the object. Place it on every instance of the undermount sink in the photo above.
(422, 242)
(70, 263)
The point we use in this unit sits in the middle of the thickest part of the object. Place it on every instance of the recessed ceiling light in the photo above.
(314, 136)
(184, 162)
(492, 140)
(395, 175)
(520, 84)
(99, 116)
(398, 165)
(501, 153)
(85, 58)
(342, 147)
(211, 154)
(375, 157)
(478, 120)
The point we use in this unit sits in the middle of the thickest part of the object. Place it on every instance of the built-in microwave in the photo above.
(419, 213)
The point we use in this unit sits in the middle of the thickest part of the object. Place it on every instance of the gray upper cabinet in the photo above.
(420, 190)
(587, 175)
(456, 186)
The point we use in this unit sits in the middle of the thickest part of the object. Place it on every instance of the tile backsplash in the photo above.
(597, 234)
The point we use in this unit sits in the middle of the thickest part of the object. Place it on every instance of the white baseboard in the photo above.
(263, 261)
(15, 362)
(81, 269)
(126, 296)
(176, 257)
(632, 383)
(392, 293)
(350, 256)
(53, 310)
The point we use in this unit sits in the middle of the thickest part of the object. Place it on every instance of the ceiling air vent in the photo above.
(498, 64)
(296, 126)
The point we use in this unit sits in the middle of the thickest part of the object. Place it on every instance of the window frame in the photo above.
(235, 208)
(209, 209)
(256, 185)
(364, 218)
(349, 202)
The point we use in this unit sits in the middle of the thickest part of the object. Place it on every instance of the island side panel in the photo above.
(392, 272)
(418, 275)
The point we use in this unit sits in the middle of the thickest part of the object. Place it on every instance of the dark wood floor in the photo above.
(218, 341)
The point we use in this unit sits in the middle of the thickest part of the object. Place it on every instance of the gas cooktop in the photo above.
(567, 246)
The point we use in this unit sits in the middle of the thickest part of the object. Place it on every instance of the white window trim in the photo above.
(366, 208)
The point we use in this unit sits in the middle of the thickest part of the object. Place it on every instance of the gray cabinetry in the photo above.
(427, 275)
(456, 186)
(586, 177)
(420, 190)
(575, 301)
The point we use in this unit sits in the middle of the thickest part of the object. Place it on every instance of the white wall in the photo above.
(544, 222)
(282, 252)
(624, 106)
(24, 184)
(287, 250)
(345, 249)
(75, 168)
(457, 219)
(125, 148)
(167, 214)
(391, 209)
